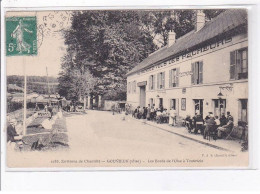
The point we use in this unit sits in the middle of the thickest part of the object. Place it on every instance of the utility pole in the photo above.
(48, 84)
(25, 97)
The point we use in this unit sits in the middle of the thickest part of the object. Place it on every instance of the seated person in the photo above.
(198, 123)
(217, 121)
(210, 126)
(225, 128)
(223, 119)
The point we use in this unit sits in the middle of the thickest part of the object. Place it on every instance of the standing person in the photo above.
(152, 116)
(46, 108)
(12, 135)
(11, 131)
(36, 107)
(148, 117)
(50, 110)
(172, 117)
(145, 113)
(158, 116)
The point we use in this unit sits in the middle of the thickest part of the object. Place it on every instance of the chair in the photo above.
(200, 126)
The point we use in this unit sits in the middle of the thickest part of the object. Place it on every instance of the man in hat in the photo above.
(210, 123)
(229, 116)
(11, 132)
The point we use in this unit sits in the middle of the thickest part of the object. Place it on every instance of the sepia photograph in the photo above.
(127, 88)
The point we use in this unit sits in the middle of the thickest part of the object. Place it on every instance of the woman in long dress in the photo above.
(171, 117)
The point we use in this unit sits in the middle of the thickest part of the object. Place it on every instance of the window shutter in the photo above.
(170, 78)
(239, 110)
(154, 78)
(232, 64)
(238, 63)
(177, 76)
(158, 80)
(150, 82)
(163, 80)
(192, 73)
(201, 72)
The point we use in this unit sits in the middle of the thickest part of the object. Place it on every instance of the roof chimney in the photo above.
(200, 20)
(171, 38)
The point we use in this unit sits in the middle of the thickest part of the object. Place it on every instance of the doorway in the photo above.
(243, 110)
(219, 107)
(160, 102)
(198, 106)
(142, 96)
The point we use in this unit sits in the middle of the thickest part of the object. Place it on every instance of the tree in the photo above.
(108, 44)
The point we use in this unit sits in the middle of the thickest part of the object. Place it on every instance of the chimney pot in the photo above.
(171, 38)
(200, 20)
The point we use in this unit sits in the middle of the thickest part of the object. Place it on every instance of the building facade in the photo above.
(204, 71)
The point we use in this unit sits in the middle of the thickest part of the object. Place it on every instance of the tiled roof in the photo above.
(224, 22)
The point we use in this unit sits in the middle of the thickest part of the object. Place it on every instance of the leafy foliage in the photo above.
(107, 44)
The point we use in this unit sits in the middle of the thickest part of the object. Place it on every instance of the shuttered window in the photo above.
(161, 80)
(239, 64)
(197, 73)
(152, 82)
(232, 64)
(134, 86)
(129, 87)
(174, 77)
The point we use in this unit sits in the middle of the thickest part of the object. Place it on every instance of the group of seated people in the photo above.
(211, 125)
(160, 115)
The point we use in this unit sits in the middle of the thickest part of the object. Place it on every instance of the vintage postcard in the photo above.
(129, 88)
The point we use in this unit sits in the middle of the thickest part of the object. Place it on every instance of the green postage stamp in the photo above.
(21, 36)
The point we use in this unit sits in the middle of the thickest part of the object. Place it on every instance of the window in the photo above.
(174, 77)
(219, 107)
(173, 104)
(197, 73)
(161, 80)
(152, 82)
(242, 110)
(129, 87)
(183, 104)
(134, 86)
(239, 64)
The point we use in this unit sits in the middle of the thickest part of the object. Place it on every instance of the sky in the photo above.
(50, 42)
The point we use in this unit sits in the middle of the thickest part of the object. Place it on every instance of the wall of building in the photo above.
(216, 67)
